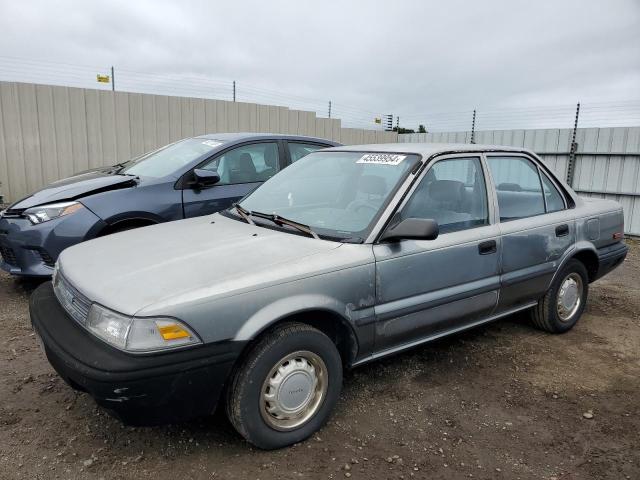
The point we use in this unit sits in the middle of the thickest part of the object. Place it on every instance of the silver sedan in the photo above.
(348, 255)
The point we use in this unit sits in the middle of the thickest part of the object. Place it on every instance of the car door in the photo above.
(427, 287)
(536, 227)
(241, 168)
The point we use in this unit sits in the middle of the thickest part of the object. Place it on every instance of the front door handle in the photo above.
(562, 230)
(488, 247)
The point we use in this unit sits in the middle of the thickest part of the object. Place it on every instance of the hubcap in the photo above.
(293, 390)
(569, 296)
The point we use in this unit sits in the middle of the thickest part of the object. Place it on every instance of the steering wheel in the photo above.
(358, 206)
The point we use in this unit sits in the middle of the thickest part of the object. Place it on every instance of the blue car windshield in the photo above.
(171, 158)
(337, 194)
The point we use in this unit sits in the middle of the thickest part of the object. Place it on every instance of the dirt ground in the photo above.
(504, 401)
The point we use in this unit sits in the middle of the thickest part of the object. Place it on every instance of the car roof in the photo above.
(427, 149)
(232, 137)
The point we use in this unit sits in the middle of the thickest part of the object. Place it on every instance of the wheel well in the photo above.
(590, 260)
(125, 225)
(331, 324)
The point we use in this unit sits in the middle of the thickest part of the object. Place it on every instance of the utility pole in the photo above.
(113, 80)
(572, 151)
(234, 90)
(473, 127)
(329, 108)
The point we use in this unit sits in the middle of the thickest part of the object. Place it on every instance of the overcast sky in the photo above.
(401, 57)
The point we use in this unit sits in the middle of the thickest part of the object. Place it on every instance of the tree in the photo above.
(403, 130)
(421, 129)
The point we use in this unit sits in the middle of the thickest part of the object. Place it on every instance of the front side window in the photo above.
(337, 194)
(453, 193)
(170, 159)
(299, 150)
(518, 187)
(255, 162)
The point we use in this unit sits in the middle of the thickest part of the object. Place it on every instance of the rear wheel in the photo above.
(561, 307)
(286, 387)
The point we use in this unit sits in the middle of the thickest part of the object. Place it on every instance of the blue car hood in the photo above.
(72, 188)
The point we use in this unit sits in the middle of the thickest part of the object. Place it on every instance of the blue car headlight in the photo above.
(44, 213)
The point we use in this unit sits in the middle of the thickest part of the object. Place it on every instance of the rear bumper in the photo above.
(31, 250)
(138, 389)
(610, 257)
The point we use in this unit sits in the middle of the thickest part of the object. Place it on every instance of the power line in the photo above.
(593, 114)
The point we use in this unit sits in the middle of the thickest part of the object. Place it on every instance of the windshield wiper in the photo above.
(278, 220)
(245, 214)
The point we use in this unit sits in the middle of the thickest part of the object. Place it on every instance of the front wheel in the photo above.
(286, 387)
(561, 307)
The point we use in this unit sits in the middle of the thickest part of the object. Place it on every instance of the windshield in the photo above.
(171, 158)
(337, 194)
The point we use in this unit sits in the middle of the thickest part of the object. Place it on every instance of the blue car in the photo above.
(189, 178)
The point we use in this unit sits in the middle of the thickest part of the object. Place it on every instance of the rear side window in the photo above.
(299, 150)
(518, 187)
(553, 199)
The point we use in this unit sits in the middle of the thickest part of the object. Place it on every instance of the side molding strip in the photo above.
(406, 346)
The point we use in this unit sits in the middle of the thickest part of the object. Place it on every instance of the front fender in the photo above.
(298, 304)
(134, 215)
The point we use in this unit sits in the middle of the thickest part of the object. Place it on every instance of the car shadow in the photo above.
(27, 285)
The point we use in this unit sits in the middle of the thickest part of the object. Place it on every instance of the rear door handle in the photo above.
(488, 247)
(562, 230)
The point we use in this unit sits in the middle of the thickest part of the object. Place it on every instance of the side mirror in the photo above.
(412, 228)
(205, 178)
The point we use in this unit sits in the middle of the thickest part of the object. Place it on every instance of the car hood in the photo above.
(141, 268)
(80, 185)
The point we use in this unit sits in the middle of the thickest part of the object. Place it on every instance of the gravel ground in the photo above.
(502, 401)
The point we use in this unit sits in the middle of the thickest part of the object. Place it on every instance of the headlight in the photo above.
(44, 213)
(138, 334)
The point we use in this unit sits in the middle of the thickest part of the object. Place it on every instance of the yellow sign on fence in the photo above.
(103, 78)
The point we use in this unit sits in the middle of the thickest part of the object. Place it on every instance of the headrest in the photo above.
(244, 163)
(446, 190)
(372, 185)
(509, 187)
(270, 157)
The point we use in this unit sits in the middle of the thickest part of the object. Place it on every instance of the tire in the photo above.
(551, 317)
(272, 400)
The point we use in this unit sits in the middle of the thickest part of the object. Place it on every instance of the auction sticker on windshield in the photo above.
(382, 158)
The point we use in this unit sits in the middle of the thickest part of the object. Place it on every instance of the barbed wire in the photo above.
(592, 114)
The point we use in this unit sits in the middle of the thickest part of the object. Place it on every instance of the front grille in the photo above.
(74, 302)
(8, 255)
(8, 213)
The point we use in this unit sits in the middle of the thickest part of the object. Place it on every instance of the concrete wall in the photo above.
(607, 160)
(50, 132)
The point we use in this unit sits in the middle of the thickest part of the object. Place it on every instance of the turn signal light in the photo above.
(172, 332)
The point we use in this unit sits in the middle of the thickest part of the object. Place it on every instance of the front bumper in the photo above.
(31, 250)
(138, 389)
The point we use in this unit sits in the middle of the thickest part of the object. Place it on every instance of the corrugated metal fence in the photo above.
(49, 132)
(607, 159)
